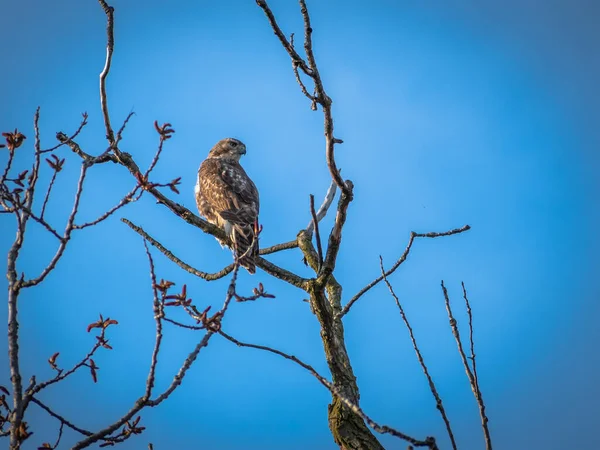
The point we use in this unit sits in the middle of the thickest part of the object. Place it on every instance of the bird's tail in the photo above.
(245, 241)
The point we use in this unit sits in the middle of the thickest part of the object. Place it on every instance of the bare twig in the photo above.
(73, 136)
(471, 341)
(296, 58)
(145, 401)
(41, 222)
(279, 247)
(47, 196)
(158, 314)
(397, 264)
(210, 331)
(313, 100)
(60, 418)
(384, 429)
(61, 375)
(175, 259)
(11, 156)
(129, 198)
(438, 399)
(472, 381)
(315, 222)
(267, 266)
(335, 237)
(327, 201)
(110, 44)
(102, 158)
(120, 132)
(67, 234)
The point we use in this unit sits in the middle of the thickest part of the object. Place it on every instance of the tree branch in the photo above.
(335, 237)
(67, 234)
(327, 201)
(60, 418)
(317, 234)
(158, 315)
(129, 198)
(296, 58)
(438, 399)
(397, 264)
(383, 429)
(110, 44)
(472, 380)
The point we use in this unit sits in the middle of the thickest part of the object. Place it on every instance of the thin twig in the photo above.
(175, 259)
(102, 158)
(183, 325)
(384, 429)
(73, 136)
(313, 100)
(397, 264)
(61, 375)
(286, 44)
(143, 402)
(67, 234)
(129, 198)
(120, 132)
(47, 196)
(190, 359)
(60, 418)
(327, 201)
(470, 375)
(279, 247)
(438, 399)
(471, 341)
(335, 237)
(11, 155)
(59, 437)
(158, 314)
(41, 222)
(156, 156)
(315, 222)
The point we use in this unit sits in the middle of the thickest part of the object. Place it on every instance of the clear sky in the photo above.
(483, 113)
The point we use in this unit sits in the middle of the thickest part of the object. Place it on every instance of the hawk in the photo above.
(227, 198)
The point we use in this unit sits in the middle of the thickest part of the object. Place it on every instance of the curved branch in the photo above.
(383, 429)
(397, 264)
(204, 275)
(110, 44)
(472, 379)
(432, 388)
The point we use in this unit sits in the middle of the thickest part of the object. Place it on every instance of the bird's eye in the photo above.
(234, 144)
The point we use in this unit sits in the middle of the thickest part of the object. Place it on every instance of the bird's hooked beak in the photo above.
(242, 149)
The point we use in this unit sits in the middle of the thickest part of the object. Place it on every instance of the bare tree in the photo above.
(351, 427)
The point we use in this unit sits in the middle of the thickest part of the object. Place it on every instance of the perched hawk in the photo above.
(228, 198)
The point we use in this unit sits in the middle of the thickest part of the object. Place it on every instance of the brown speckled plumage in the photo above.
(228, 198)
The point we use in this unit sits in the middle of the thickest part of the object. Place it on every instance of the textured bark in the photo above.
(348, 429)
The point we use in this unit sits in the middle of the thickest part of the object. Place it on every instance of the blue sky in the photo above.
(483, 113)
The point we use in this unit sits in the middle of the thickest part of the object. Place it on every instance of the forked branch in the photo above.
(432, 388)
(473, 381)
(397, 264)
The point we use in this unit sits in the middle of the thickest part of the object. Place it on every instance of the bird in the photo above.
(227, 198)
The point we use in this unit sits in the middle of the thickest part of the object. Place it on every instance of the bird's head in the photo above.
(228, 148)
